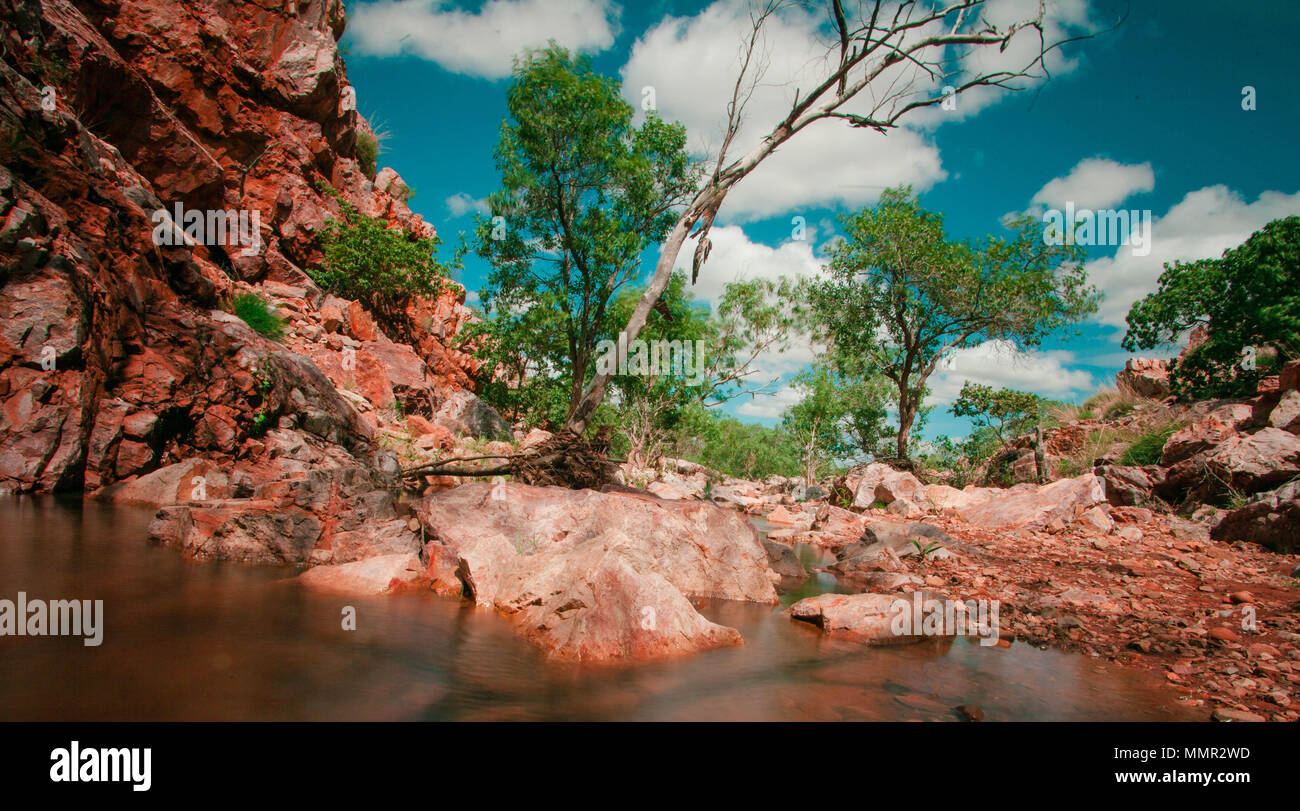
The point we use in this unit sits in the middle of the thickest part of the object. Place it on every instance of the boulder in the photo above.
(464, 414)
(784, 561)
(1126, 486)
(1243, 463)
(1286, 414)
(1271, 519)
(836, 526)
(1289, 378)
(1145, 377)
(598, 576)
(946, 497)
(872, 619)
(1207, 433)
(878, 482)
(1035, 508)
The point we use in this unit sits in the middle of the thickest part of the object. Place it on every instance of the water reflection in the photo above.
(190, 641)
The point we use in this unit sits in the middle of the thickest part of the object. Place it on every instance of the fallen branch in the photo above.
(565, 459)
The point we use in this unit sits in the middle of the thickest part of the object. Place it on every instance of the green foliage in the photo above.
(735, 448)
(1007, 412)
(264, 382)
(256, 312)
(925, 550)
(901, 296)
(1146, 449)
(1249, 298)
(583, 193)
(379, 266)
(367, 152)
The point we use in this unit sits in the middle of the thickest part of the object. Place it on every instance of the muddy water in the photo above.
(186, 641)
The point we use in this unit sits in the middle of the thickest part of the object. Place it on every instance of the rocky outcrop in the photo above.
(1145, 377)
(596, 576)
(115, 359)
(303, 502)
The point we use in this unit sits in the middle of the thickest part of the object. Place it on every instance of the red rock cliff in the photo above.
(115, 357)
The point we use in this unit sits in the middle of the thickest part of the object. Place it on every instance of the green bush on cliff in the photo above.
(368, 153)
(382, 267)
(257, 313)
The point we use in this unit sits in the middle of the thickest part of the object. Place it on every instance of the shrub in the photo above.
(379, 266)
(1146, 449)
(367, 152)
(257, 313)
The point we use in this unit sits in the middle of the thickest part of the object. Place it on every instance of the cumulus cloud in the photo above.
(481, 43)
(460, 204)
(1097, 183)
(692, 62)
(773, 405)
(1000, 365)
(735, 258)
(1204, 224)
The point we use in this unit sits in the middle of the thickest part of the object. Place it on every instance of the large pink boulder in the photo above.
(1036, 507)
(596, 576)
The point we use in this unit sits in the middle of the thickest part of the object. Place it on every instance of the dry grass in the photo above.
(1111, 403)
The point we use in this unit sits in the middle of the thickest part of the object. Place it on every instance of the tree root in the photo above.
(565, 460)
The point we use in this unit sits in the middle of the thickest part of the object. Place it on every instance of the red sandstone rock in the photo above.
(1145, 377)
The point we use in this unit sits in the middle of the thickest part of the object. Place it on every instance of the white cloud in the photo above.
(773, 405)
(692, 63)
(460, 204)
(1204, 224)
(1097, 183)
(1000, 365)
(481, 43)
(735, 258)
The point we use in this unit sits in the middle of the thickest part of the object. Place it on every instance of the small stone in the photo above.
(1221, 634)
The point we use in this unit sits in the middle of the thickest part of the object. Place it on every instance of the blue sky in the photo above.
(1147, 116)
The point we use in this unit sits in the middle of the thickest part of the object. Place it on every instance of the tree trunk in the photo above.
(906, 415)
(594, 392)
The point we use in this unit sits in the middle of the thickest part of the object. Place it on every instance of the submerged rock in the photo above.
(869, 618)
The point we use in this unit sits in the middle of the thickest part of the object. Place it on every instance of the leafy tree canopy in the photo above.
(1248, 298)
(900, 295)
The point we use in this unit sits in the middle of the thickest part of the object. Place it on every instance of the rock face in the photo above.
(1146, 377)
(115, 357)
(596, 576)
